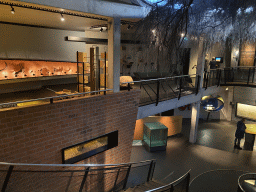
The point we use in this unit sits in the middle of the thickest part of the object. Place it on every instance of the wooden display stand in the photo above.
(92, 76)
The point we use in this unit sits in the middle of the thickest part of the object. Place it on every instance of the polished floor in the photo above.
(213, 150)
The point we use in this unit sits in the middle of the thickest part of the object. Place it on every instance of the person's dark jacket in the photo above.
(240, 129)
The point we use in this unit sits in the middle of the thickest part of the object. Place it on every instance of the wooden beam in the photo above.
(96, 41)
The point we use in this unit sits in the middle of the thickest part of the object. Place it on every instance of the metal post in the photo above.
(92, 70)
(198, 84)
(188, 180)
(99, 75)
(153, 170)
(83, 76)
(157, 92)
(116, 178)
(249, 76)
(233, 76)
(77, 72)
(253, 73)
(150, 169)
(219, 73)
(7, 178)
(105, 75)
(127, 176)
(205, 75)
(129, 87)
(207, 79)
(180, 90)
(84, 179)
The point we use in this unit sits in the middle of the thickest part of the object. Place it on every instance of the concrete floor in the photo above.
(213, 150)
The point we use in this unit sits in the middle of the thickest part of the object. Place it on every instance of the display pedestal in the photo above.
(250, 132)
(249, 141)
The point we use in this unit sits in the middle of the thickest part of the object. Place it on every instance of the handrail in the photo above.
(74, 165)
(232, 68)
(170, 184)
(162, 78)
(244, 177)
(60, 96)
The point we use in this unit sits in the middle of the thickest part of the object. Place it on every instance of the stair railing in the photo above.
(181, 184)
(70, 175)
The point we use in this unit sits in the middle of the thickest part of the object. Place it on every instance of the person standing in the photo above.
(239, 133)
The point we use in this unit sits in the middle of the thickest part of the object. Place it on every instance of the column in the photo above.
(229, 104)
(196, 106)
(114, 42)
(194, 121)
(200, 61)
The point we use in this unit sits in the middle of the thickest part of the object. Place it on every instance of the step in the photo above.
(138, 189)
(143, 187)
(153, 185)
(160, 182)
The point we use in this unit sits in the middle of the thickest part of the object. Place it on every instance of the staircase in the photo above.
(145, 186)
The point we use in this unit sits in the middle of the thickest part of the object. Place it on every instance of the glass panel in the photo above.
(86, 147)
(146, 135)
(158, 134)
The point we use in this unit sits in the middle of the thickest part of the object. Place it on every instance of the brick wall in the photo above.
(37, 134)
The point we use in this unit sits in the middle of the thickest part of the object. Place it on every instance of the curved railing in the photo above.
(246, 183)
(232, 76)
(161, 89)
(181, 184)
(74, 177)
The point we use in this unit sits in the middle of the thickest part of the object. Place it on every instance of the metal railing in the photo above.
(51, 99)
(181, 184)
(243, 75)
(74, 177)
(161, 89)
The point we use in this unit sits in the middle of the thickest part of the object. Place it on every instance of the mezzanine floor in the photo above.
(213, 150)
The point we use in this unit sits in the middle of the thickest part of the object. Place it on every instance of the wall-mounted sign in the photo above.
(81, 151)
(212, 104)
(246, 111)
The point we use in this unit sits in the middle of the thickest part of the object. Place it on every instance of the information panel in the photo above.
(246, 111)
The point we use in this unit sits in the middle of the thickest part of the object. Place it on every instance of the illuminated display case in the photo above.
(155, 136)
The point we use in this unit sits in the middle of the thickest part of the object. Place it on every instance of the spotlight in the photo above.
(129, 26)
(62, 18)
(101, 29)
(12, 11)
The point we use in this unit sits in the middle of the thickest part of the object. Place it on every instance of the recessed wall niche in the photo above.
(13, 69)
(81, 151)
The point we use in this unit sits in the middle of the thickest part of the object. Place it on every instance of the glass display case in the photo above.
(155, 136)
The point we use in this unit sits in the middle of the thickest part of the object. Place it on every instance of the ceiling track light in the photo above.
(101, 29)
(62, 18)
(12, 11)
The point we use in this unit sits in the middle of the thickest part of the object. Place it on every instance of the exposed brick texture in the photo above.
(37, 134)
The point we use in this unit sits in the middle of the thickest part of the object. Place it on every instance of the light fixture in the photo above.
(182, 34)
(129, 26)
(101, 29)
(62, 18)
(12, 11)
